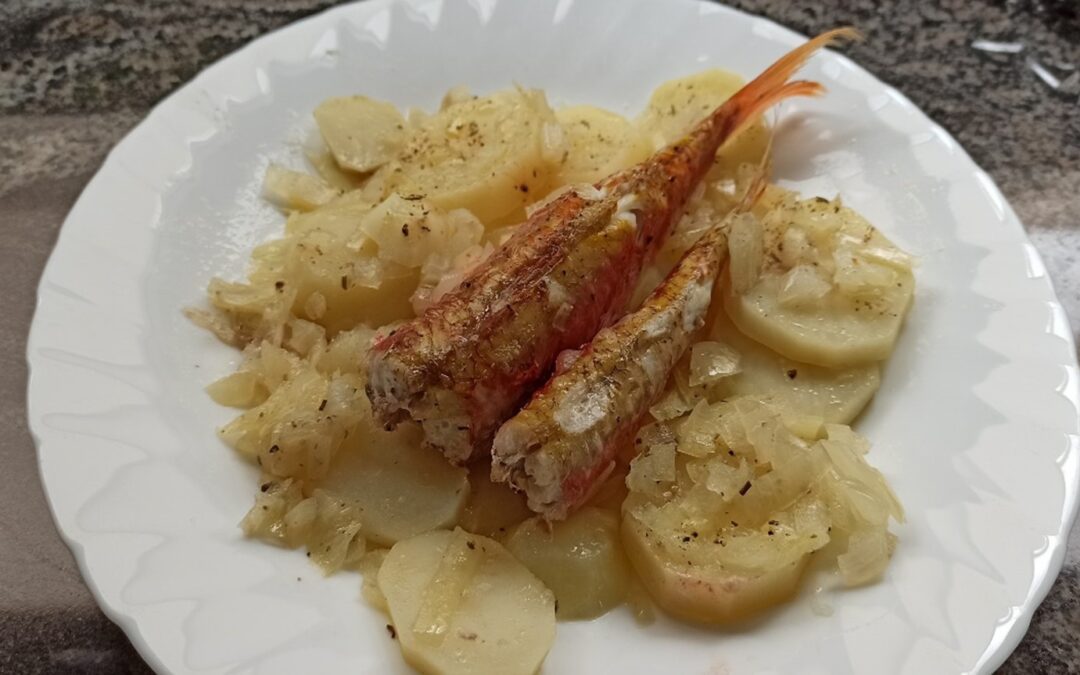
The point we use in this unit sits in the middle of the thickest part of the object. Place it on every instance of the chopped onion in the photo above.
(241, 389)
(866, 557)
(651, 469)
(726, 480)
(746, 248)
(553, 142)
(711, 362)
(657, 433)
(856, 276)
(670, 406)
(803, 286)
(697, 435)
(794, 248)
(850, 465)
(289, 189)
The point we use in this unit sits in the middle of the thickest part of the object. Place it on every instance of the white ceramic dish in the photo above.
(976, 424)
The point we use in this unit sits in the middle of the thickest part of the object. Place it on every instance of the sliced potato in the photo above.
(324, 164)
(703, 551)
(483, 154)
(580, 559)
(356, 286)
(834, 395)
(399, 488)
(677, 105)
(598, 143)
(857, 321)
(720, 523)
(462, 604)
(704, 594)
(362, 133)
(493, 508)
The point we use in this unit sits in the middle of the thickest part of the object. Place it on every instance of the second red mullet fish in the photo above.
(468, 363)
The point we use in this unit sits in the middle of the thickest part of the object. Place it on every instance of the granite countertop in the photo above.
(75, 76)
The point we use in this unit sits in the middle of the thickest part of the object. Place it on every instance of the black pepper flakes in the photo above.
(393, 631)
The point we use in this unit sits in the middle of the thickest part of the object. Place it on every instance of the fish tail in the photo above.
(772, 86)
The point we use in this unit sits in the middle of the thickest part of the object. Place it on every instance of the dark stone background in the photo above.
(76, 76)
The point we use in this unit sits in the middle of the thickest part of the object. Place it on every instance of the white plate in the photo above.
(976, 424)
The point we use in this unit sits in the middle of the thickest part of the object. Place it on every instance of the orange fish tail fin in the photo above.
(772, 86)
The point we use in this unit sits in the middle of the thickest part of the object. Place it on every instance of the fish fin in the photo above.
(756, 188)
(759, 180)
(772, 85)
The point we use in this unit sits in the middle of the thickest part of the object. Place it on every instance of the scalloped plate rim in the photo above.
(71, 533)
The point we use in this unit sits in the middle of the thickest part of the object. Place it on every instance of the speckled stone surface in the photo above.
(76, 76)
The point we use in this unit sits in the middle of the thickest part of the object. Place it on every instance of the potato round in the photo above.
(834, 395)
(580, 559)
(703, 594)
(677, 105)
(485, 154)
(501, 619)
(400, 488)
(870, 287)
(599, 143)
(362, 133)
